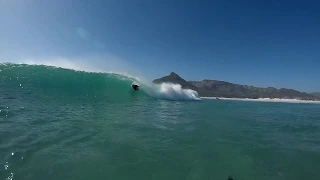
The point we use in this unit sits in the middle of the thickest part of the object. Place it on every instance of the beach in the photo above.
(266, 100)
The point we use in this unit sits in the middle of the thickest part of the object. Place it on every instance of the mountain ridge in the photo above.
(217, 88)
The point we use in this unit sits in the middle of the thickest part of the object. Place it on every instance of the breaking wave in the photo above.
(75, 80)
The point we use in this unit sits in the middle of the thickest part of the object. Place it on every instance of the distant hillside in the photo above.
(175, 78)
(215, 88)
(316, 94)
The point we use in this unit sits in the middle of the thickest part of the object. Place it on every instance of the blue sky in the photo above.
(260, 43)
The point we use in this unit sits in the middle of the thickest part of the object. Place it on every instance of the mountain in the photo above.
(215, 88)
(316, 94)
(226, 89)
(175, 78)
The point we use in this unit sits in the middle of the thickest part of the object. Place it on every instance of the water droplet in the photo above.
(20, 85)
(12, 153)
(6, 166)
(6, 115)
(10, 177)
(7, 107)
(21, 157)
(0, 110)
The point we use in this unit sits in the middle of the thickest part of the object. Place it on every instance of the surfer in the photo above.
(135, 87)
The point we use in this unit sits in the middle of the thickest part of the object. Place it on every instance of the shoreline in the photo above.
(265, 100)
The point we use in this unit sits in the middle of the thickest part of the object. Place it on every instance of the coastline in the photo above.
(265, 100)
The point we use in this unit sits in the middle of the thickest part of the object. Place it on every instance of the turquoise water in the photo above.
(63, 124)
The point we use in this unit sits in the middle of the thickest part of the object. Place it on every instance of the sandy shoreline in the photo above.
(265, 100)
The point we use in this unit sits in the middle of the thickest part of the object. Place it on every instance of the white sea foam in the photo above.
(175, 91)
(171, 91)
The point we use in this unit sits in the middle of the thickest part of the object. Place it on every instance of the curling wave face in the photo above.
(51, 80)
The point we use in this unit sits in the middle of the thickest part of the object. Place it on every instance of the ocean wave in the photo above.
(76, 79)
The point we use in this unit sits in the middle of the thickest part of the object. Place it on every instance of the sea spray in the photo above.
(171, 91)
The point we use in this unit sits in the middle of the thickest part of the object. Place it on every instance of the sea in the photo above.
(58, 123)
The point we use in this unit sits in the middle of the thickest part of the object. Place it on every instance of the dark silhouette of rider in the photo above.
(135, 87)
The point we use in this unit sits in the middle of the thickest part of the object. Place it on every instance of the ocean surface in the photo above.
(59, 123)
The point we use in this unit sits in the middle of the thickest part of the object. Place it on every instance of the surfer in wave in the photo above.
(135, 87)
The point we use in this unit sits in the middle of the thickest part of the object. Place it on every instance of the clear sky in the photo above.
(260, 43)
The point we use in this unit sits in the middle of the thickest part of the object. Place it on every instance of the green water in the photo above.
(62, 124)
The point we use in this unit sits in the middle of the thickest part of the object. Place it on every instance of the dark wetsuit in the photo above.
(135, 87)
